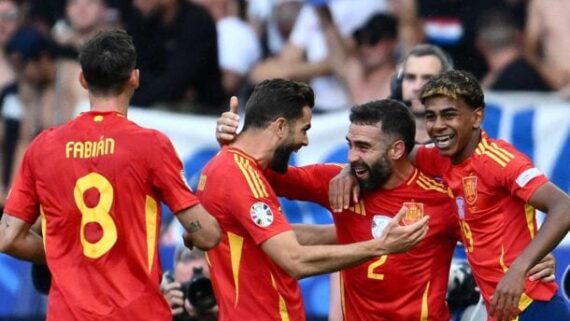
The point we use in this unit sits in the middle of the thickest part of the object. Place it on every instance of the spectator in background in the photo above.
(305, 56)
(83, 19)
(498, 39)
(366, 69)
(422, 63)
(46, 93)
(239, 48)
(273, 21)
(9, 21)
(548, 41)
(185, 263)
(178, 56)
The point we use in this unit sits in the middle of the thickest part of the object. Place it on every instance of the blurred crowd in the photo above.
(194, 54)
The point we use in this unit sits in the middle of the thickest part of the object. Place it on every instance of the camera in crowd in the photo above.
(198, 290)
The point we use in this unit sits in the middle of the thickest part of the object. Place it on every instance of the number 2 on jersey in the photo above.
(96, 214)
(373, 275)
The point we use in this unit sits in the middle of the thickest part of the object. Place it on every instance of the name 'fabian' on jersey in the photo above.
(89, 149)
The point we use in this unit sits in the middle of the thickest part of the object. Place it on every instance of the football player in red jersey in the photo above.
(260, 256)
(96, 183)
(496, 189)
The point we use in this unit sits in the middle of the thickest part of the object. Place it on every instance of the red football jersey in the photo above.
(407, 286)
(97, 182)
(491, 190)
(247, 283)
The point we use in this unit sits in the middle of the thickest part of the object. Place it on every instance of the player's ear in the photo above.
(134, 79)
(82, 80)
(478, 114)
(397, 150)
(281, 127)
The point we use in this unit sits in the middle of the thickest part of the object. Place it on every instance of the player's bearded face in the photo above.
(378, 172)
(281, 157)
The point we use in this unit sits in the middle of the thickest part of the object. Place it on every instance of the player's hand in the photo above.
(174, 297)
(342, 188)
(505, 301)
(227, 124)
(543, 270)
(188, 240)
(397, 238)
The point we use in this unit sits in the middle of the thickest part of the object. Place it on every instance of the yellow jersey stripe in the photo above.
(432, 181)
(43, 222)
(245, 173)
(502, 260)
(425, 306)
(208, 259)
(236, 245)
(150, 214)
(282, 304)
(261, 185)
(505, 152)
(247, 166)
(430, 186)
(342, 300)
(529, 213)
(495, 158)
(524, 302)
(497, 151)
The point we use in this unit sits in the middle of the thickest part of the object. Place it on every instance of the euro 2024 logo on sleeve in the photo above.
(379, 223)
(261, 214)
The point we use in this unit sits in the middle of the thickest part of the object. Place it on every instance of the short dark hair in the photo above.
(455, 84)
(394, 117)
(107, 61)
(425, 49)
(276, 98)
(379, 27)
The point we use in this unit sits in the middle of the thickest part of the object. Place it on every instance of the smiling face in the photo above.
(296, 138)
(453, 126)
(368, 155)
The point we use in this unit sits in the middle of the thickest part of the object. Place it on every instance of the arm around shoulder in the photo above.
(203, 230)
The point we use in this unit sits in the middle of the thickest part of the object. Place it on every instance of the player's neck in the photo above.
(256, 144)
(109, 103)
(402, 170)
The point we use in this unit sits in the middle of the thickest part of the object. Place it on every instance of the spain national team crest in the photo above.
(261, 214)
(414, 212)
(470, 189)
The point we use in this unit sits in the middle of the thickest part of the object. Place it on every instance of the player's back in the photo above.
(93, 177)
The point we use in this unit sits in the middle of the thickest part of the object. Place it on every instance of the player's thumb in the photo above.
(234, 104)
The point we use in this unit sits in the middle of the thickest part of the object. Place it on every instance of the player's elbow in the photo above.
(210, 239)
(294, 266)
(6, 241)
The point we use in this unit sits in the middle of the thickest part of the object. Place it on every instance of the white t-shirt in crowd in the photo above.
(238, 46)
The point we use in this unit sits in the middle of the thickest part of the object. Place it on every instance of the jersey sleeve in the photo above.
(256, 208)
(519, 176)
(306, 183)
(429, 161)
(168, 177)
(23, 201)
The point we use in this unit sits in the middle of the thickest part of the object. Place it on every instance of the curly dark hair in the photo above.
(455, 84)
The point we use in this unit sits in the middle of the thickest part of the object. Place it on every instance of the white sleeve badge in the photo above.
(261, 214)
(527, 176)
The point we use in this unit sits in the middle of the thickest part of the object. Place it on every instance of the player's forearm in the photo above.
(314, 260)
(203, 230)
(313, 234)
(28, 247)
(17, 240)
(554, 229)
